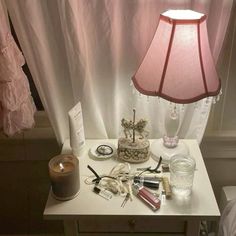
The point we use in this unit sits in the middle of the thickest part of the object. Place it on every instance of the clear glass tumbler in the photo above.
(181, 174)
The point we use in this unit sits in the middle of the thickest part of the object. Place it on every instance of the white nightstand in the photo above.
(87, 205)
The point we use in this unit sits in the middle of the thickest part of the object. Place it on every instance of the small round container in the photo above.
(181, 175)
(64, 176)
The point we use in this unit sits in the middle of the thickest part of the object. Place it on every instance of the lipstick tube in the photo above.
(146, 196)
(166, 187)
(150, 182)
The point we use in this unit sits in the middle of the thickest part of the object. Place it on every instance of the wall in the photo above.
(219, 152)
(24, 181)
(222, 118)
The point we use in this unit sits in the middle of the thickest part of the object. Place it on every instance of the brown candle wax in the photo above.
(64, 167)
(64, 175)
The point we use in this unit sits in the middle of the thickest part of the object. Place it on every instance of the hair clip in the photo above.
(104, 149)
(154, 170)
(98, 178)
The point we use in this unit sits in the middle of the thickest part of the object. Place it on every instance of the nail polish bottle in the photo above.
(146, 196)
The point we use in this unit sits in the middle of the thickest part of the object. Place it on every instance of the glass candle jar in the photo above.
(181, 174)
(64, 176)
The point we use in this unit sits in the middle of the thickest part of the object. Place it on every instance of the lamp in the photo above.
(178, 67)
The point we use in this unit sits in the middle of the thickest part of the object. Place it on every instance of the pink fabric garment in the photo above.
(16, 105)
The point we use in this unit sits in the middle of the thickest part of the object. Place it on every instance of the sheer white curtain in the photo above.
(87, 50)
(223, 120)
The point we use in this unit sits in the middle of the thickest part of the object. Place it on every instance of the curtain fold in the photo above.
(222, 117)
(16, 105)
(88, 50)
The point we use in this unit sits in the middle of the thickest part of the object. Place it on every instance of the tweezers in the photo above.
(125, 200)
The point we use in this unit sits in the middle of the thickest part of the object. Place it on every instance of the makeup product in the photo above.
(102, 192)
(77, 138)
(150, 182)
(165, 168)
(163, 197)
(64, 176)
(146, 196)
(166, 187)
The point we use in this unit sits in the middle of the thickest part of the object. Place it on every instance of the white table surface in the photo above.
(201, 205)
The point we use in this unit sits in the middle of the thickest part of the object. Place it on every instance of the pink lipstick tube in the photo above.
(146, 196)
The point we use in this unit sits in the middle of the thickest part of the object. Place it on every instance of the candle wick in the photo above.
(61, 167)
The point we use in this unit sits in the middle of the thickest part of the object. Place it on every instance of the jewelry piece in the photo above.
(104, 149)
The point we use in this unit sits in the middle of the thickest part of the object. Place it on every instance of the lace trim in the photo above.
(18, 120)
(11, 60)
(16, 105)
(13, 94)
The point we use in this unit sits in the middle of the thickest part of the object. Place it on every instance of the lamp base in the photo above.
(158, 149)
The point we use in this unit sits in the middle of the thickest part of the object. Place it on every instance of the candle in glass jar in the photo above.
(64, 175)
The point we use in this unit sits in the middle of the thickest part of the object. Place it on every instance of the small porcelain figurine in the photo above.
(138, 127)
(135, 146)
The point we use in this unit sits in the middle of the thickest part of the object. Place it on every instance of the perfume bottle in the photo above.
(148, 197)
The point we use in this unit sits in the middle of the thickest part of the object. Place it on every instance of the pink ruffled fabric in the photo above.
(11, 59)
(16, 104)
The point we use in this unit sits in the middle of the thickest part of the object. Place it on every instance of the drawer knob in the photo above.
(132, 223)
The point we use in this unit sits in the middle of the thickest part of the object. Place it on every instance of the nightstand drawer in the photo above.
(129, 224)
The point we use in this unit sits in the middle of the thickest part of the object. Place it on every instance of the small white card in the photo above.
(77, 137)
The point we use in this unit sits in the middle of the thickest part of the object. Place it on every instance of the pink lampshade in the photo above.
(178, 65)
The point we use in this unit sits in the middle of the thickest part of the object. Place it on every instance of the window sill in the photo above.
(219, 145)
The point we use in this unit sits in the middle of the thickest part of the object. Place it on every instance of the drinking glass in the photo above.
(181, 174)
